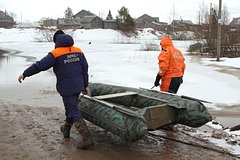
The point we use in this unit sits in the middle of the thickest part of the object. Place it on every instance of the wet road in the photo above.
(32, 112)
(32, 132)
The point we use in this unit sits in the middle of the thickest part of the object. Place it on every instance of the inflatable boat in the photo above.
(131, 112)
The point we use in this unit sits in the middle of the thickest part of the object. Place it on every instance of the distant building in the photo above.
(69, 23)
(83, 19)
(89, 20)
(146, 21)
(235, 22)
(6, 21)
(181, 22)
(83, 13)
(161, 26)
(110, 24)
(182, 25)
(27, 25)
(49, 22)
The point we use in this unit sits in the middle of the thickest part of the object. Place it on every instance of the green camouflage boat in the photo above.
(131, 112)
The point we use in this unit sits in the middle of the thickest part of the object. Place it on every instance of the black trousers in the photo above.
(175, 84)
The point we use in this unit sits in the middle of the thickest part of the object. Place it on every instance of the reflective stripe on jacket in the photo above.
(69, 65)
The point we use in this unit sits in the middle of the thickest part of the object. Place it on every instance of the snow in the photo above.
(119, 60)
(226, 138)
(231, 62)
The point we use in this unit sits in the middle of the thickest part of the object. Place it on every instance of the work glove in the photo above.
(157, 80)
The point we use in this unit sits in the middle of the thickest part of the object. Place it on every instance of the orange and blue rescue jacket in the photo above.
(69, 65)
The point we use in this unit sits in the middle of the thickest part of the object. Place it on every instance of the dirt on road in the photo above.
(29, 132)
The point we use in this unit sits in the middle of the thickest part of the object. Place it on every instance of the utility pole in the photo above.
(219, 31)
(210, 24)
(173, 14)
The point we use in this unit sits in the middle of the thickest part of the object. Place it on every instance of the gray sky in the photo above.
(31, 10)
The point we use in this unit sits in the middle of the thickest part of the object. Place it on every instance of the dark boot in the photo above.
(65, 129)
(86, 141)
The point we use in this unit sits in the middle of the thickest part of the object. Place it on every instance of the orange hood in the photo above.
(166, 42)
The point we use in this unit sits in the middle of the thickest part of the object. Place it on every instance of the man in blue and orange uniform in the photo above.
(171, 67)
(71, 69)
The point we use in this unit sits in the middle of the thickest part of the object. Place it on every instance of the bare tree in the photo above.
(172, 17)
(203, 14)
(45, 35)
(225, 15)
(207, 34)
(200, 15)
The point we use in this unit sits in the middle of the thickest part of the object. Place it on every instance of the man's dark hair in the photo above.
(57, 33)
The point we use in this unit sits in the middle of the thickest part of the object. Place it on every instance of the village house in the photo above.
(6, 21)
(88, 20)
(146, 21)
(235, 22)
(25, 25)
(83, 13)
(182, 25)
(83, 19)
(91, 22)
(49, 22)
(110, 24)
(69, 23)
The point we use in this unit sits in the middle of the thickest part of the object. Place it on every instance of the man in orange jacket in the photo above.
(171, 67)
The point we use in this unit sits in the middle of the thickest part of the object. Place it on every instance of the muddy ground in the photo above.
(29, 132)
(30, 117)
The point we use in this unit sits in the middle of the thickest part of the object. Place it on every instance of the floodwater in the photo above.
(12, 64)
(31, 113)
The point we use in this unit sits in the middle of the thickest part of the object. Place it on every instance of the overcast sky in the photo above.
(186, 9)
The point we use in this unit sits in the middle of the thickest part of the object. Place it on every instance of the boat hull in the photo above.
(131, 112)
